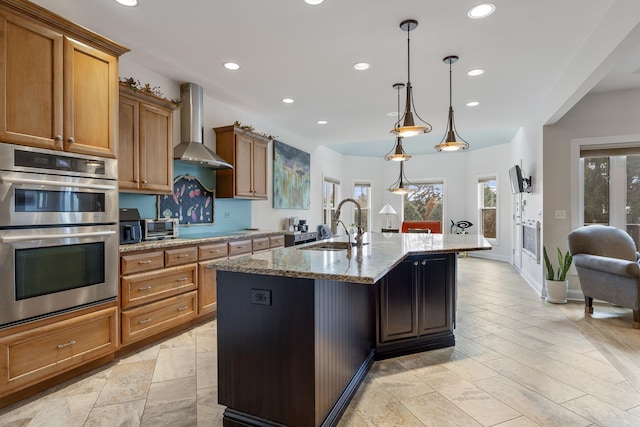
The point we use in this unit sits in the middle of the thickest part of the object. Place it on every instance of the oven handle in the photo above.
(13, 239)
(58, 183)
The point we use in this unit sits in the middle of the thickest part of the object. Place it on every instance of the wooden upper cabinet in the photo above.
(90, 100)
(145, 152)
(248, 153)
(31, 78)
(58, 82)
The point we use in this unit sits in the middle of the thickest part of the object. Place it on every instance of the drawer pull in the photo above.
(183, 256)
(184, 279)
(143, 321)
(216, 251)
(424, 262)
(146, 261)
(72, 342)
(183, 308)
(145, 288)
(415, 262)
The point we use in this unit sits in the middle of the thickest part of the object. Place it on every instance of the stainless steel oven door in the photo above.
(29, 199)
(52, 269)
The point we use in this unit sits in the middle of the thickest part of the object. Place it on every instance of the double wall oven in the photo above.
(58, 232)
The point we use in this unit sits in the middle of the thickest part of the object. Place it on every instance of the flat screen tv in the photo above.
(517, 182)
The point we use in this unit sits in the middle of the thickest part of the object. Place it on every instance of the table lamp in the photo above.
(387, 209)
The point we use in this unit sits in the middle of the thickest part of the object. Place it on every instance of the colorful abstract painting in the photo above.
(291, 177)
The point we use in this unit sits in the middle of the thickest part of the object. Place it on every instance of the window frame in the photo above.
(330, 208)
(363, 183)
(427, 181)
(480, 180)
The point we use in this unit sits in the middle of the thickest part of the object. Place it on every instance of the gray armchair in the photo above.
(607, 263)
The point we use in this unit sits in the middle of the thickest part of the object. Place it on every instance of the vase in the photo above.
(556, 291)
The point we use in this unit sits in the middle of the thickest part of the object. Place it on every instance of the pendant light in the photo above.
(402, 184)
(397, 153)
(449, 141)
(409, 127)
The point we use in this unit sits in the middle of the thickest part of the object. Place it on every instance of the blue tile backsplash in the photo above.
(229, 214)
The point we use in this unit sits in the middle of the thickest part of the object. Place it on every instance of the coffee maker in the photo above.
(302, 225)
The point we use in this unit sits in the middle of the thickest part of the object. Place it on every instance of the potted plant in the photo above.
(557, 285)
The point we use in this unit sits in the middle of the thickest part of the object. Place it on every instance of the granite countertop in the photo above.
(383, 252)
(197, 239)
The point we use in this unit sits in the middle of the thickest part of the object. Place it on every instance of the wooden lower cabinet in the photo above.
(207, 287)
(36, 354)
(149, 319)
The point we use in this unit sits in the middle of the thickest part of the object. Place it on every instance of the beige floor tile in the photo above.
(127, 414)
(206, 370)
(535, 380)
(208, 410)
(175, 362)
(530, 404)
(602, 413)
(435, 411)
(480, 405)
(127, 382)
(518, 422)
(69, 411)
(378, 407)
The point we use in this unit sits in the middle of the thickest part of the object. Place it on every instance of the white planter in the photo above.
(556, 291)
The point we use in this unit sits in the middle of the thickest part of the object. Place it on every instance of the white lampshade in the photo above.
(387, 209)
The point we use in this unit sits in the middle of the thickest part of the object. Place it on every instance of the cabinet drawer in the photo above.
(135, 263)
(147, 287)
(238, 247)
(276, 241)
(261, 244)
(147, 320)
(44, 352)
(215, 250)
(180, 256)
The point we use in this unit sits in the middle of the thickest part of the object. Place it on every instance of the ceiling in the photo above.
(287, 48)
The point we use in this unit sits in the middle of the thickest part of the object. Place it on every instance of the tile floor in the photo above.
(518, 361)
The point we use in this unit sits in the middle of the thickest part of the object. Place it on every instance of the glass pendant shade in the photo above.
(409, 127)
(402, 184)
(398, 155)
(451, 141)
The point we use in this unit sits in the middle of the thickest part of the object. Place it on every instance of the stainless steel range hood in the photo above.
(191, 148)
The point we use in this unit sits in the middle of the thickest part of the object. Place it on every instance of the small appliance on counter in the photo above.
(155, 229)
(295, 224)
(130, 229)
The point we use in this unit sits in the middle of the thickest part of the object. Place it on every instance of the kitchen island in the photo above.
(299, 327)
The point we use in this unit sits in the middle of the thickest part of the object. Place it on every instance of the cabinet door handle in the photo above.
(424, 262)
(58, 138)
(144, 181)
(143, 321)
(184, 279)
(146, 261)
(415, 262)
(183, 256)
(145, 288)
(72, 342)
(71, 140)
(183, 308)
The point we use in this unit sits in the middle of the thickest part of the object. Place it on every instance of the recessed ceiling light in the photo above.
(287, 100)
(476, 72)
(322, 122)
(314, 2)
(231, 66)
(473, 104)
(128, 2)
(360, 66)
(481, 11)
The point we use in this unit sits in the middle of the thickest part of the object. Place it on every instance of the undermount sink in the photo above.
(330, 246)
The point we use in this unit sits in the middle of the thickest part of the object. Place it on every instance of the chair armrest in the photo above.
(619, 267)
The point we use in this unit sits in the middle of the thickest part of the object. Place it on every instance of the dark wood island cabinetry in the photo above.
(299, 328)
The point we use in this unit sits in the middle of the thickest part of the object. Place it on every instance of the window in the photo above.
(488, 202)
(610, 188)
(425, 203)
(362, 195)
(330, 194)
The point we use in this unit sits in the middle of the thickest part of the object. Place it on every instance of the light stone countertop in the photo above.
(383, 252)
(199, 239)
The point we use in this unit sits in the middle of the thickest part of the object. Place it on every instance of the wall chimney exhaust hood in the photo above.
(191, 148)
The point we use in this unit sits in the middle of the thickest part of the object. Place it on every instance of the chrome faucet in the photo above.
(360, 230)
